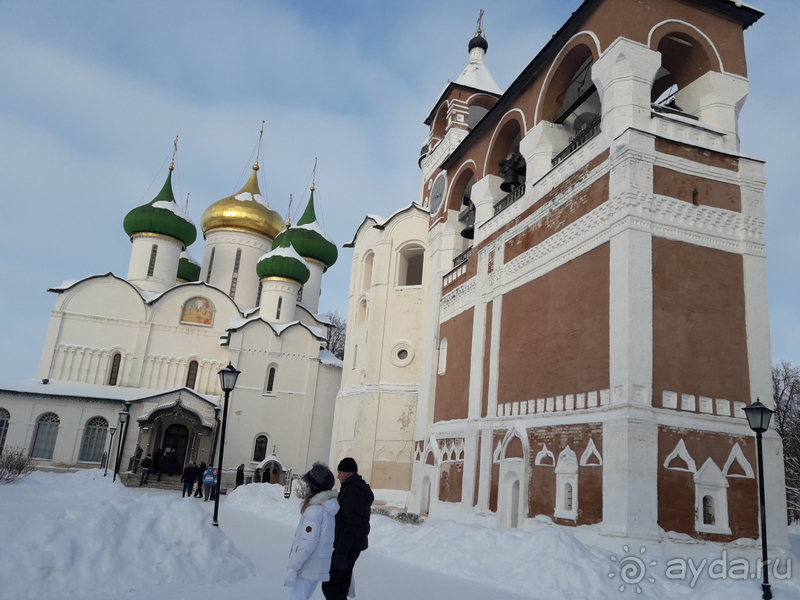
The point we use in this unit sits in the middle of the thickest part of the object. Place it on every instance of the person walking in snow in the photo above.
(157, 462)
(209, 481)
(163, 465)
(239, 476)
(146, 464)
(137, 456)
(172, 462)
(200, 472)
(352, 529)
(310, 556)
(188, 477)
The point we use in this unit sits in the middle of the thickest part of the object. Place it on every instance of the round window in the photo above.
(402, 353)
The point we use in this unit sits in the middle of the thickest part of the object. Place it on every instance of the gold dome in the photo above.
(246, 209)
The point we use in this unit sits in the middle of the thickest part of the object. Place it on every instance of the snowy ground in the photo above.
(79, 536)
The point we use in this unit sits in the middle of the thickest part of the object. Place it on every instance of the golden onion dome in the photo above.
(246, 209)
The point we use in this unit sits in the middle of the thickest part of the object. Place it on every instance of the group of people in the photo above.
(332, 533)
(158, 463)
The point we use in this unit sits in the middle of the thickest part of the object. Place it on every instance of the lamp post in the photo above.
(123, 418)
(227, 378)
(113, 430)
(216, 436)
(758, 417)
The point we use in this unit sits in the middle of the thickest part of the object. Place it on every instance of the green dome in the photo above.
(283, 261)
(308, 239)
(162, 216)
(188, 269)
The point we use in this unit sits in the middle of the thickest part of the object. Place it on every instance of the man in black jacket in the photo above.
(351, 529)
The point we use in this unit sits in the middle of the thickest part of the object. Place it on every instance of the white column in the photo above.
(165, 270)
(313, 287)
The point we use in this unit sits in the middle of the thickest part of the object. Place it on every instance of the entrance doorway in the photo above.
(177, 438)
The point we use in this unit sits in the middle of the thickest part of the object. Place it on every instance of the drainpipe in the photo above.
(124, 435)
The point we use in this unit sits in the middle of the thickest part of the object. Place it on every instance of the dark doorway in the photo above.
(177, 438)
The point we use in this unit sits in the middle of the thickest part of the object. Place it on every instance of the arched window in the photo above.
(210, 264)
(260, 448)
(44, 436)
(362, 311)
(410, 262)
(94, 440)
(568, 496)
(152, 266)
(708, 511)
(684, 59)
(271, 372)
(5, 417)
(442, 356)
(191, 375)
(278, 311)
(235, 276)
(366, 272)
(113, 374)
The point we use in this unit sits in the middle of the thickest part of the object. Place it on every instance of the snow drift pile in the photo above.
(75, 533)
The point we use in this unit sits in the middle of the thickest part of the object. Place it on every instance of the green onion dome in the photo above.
(283, 262)
(162, 216)
(188, 269)
(308, 238)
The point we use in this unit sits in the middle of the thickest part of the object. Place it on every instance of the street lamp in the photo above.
(227, 378)
(758, 417)
(113, 430)
(123, 418)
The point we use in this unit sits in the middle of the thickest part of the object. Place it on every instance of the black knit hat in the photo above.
(347, 465)
(319, 478)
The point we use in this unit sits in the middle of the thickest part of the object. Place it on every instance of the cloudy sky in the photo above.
(92, 95)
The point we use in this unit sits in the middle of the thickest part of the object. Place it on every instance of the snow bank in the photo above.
(79, 533)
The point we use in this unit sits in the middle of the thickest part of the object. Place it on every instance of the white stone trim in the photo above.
(680, 451)
(690, 26)
(542, 455)
(591, 450)
(709, 481)
(737, 456)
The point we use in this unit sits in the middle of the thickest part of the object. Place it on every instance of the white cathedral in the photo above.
(151, 344)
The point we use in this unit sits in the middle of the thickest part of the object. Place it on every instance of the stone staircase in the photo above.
(167, 483)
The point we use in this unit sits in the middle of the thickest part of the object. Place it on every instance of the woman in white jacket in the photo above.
(310, 557)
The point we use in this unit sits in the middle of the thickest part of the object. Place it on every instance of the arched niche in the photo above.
(686, 55)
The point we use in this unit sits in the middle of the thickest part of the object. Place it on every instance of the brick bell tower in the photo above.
(597, 316)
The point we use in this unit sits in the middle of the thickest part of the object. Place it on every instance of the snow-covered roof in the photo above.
(146, 416)
(476, 74)
(284, 251)
(90, 391)
(314, 226)
(236, 323)
(255, 197)
(173, 208)
(185, 254)
(326, 357)
(381, 222)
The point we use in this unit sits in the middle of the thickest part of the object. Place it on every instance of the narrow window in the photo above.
(260, 449)
(568, 496)
(271, 379)
(44, 436)
(258, 295)
(410, 265)
(113, 375)
(5, 417)
(94, 440)
(191, 376)
(355, 356)
(708, 511)
(210, 265)
(278, 312)
(300, 294)
(152, 267)
(366, 276)
(235, 276)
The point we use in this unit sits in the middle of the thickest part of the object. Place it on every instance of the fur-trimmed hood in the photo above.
(323, 498)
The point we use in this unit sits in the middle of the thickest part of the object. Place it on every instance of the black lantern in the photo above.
(227, 379)
(758, 417)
